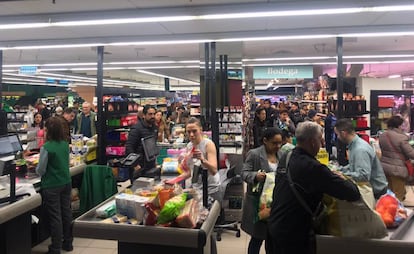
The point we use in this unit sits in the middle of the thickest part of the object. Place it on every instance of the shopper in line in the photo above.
(204, 153)
(364, 165)
(67, 119)
(38, 124)
(259, 126)
(85, 121)
(270, 112)
(395, 150)
(290, 225)
(56, 185)
(259, 161)
(284, 122)
(163, 130)
(295, 114)
(143, 129)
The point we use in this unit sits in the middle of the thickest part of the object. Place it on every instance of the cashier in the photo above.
(204, 155)
(144, 128)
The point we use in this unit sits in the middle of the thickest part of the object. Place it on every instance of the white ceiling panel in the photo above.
(119, 30)
(37, 34)
(47, 6)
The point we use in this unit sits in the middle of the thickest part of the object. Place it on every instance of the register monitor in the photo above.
(10, 145)
(150, 148)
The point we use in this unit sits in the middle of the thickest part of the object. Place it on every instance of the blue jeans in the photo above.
(56, 202)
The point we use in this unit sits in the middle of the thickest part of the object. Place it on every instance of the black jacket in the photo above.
(134, 144)
(258, 130)
(296, 117)
(288, 218)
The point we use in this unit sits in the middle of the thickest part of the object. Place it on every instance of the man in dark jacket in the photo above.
(143, 129)
(67, 118)
(289, 224)
(295, 114)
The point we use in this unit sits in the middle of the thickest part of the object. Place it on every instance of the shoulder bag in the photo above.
(320, 213)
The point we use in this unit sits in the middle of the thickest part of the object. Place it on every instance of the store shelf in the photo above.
(15, 121)
(119, 113)
(230, 144)
(115, 142)
(230, 133)
(234, 122)
(356, 114)
(118, 128)
(311, 101)
(362, 128)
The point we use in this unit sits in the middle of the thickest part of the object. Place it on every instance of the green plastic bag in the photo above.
(172, 208)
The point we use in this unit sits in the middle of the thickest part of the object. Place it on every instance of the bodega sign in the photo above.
(288, 72)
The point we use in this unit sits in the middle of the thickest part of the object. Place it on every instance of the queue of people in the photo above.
(287, 227)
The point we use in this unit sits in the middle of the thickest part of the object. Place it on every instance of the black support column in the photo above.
(167, 84)
(101, 125)
(207, 82)
(341, 147)
(1, 79)
(213, 106)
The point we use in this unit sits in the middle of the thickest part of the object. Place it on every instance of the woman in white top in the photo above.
(204, 155)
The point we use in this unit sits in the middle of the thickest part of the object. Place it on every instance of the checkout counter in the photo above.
(399, 241)
(149, 239)
(16, 218)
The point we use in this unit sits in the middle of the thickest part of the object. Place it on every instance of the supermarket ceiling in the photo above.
(146, 41)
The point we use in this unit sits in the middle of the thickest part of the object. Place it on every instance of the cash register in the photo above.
(10, 146)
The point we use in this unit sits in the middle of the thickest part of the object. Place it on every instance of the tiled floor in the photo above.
(229, 244)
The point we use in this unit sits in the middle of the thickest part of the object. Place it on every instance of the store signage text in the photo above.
(28, 70)
(292, 72)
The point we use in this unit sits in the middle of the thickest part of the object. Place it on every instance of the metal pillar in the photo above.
(167, 84)
(213, 106)
(341, 147)
(340, 76)
(1, 79)
(101, 125)
(207, 81)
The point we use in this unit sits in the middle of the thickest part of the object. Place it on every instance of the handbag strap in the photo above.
(296, 193)
(393, 147)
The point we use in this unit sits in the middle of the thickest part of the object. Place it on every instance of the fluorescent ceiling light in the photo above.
(394, 76)
(170, 77)
(23, 25)
(408, 79)
(57, 46)
(152, 62)
(378, 56)
(276, 38)
(291, 13)
(288, 64)
(392, 8)
(124, 21)
(164, 67)
(288, 58)
(67, 64)
(158, 42)
(383, 34)
(239, 15)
